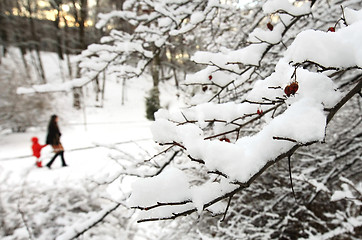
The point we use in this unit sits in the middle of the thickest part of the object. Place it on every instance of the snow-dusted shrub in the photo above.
(32, 211)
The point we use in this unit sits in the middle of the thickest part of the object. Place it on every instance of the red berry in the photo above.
(204, 88)
(225, 139)
(331, 29)
(259, 112)
(210, 77)
(270, 26)
(294, 87)
(287, 90)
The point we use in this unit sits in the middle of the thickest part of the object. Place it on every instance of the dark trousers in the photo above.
(61, 153)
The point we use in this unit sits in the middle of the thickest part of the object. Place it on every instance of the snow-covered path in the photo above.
(86, 151)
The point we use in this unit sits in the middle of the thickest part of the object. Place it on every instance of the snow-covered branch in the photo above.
(310, 100)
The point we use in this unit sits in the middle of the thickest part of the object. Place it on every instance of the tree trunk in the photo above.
(123, 90)
(77, 93)
(155, 70)
(23, 53)
(82, 20)
(153, 99)
(35, 43)
(66, 47)
(97, 87)
(57, 27)
(3, 30)
(176, 79)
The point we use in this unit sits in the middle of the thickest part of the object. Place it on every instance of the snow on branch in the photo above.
(308, 100)
(79, 228)
(285, 6)
(350, 191)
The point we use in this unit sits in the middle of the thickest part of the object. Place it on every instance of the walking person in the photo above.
(37, 147)
(53, 138)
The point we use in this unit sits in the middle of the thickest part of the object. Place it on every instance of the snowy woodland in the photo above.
(256, 118)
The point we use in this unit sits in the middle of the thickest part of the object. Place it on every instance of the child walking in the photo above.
(36, 147)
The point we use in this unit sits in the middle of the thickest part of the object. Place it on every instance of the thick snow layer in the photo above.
(197, 17)
(312, 85)
(265, 35)
(329, 49)
(156, 189)
(209, 191)
(249, 55)
(244, 158)
(352, 16)
(105, 17)
(217, 77)
(272, 6)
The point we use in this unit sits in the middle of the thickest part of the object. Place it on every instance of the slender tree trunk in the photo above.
(82, 21)
(123, 90)
(77, 94)
(35, 43)
(155, 70)
(176, 79)
(97, 88)
(41, 68)
(66, 47)
(3, 30)
(57, 27)
(103, 87)
(19, 38)
(153, 100)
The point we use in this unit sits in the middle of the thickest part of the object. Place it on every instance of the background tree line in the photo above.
(29, 27)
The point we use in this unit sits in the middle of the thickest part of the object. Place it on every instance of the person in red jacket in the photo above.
(36, 147)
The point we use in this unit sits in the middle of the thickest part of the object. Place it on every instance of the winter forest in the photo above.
(180, 119)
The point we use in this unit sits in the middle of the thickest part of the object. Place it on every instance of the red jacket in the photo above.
(36, 147)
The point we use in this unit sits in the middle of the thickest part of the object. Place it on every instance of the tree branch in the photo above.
(344, 100)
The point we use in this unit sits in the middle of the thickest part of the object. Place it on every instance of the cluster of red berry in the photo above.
(291, 89)
(331, 29)
(204, 88)
(225, 139)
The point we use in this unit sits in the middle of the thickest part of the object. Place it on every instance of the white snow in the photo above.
(209, 191)
(272, 6)
(158, 190)
(265, 35)
(249, 55)
(352, 15)
(335, 49)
